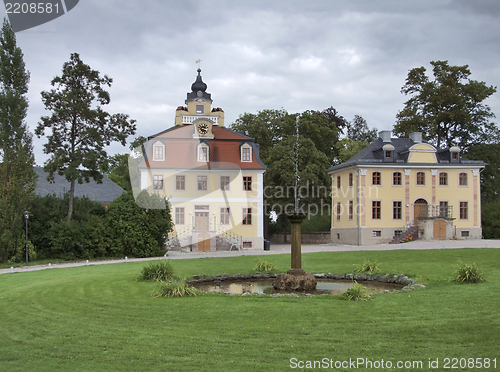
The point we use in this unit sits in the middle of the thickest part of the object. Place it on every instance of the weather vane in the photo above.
(198, 62)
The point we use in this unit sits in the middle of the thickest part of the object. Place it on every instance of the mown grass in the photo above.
(101, 318)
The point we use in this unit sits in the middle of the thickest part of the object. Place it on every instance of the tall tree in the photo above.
(81, 129)
(17, 177)
(448, 110)
(358, 130)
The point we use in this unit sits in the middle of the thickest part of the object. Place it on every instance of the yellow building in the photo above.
(398, 189)
(211, 175)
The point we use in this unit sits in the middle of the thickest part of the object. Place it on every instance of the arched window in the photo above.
(397, 179)
(443, 179)
(376, 178)
(462, 179)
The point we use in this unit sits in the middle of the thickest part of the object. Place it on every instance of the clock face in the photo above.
(203, 128)
(199, 93)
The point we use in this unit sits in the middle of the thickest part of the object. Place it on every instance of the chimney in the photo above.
(385, 135)
(416, 137)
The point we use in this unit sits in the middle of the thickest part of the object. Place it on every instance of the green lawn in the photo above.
(101, 318)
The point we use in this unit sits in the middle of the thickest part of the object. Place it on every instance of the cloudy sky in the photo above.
(295, 54)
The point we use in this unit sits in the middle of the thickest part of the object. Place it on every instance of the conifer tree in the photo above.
(81, 129)
(17, 177)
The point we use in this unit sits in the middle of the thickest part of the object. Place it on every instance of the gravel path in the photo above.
(277, 249)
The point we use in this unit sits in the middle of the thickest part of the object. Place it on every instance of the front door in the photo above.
(419, 209)
(203, 242)
(439, 229)
(201, 221)
(201, 217)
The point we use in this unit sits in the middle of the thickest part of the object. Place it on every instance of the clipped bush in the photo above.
(177, 288)
(356, 293)
(140, 231)
(263, 265)
(368, 266)
(158, 271)
(467, 273)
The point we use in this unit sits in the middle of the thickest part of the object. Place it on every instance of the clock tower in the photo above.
(199, 106)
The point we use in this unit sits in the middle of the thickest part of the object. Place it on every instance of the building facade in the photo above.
(211, 175)
(397, 189)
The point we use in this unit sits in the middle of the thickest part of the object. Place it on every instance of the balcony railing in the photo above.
(188, 119)
(433, 211)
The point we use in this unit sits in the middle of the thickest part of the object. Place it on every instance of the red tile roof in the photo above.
(181, 150)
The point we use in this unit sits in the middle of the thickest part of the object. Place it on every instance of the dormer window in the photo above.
(388, 152)
(454, 154)
(246, 153)
(200, 109)
(158, 151)
(203, 154)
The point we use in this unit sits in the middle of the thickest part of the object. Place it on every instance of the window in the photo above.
(376, 233)
(158, 182)
(180, 182)
(350, 180)
(202, 152)
(158, 152)
(443, 179)
(464, 213)
(396, 179)
(202, 182)
(338, 182)
(397, 210)
(420, 178)
(224, 216)
(376, 209)
(388, 154)
(179, 215)
(462, 179)
(224, 183)
(454, 155)
(246, 154)
(339, 208)
(200, 109)
(376, 178)
(247, 183)
(351, 209)
(247, 216)
(247, 244)
(465, 234)
(443, 209)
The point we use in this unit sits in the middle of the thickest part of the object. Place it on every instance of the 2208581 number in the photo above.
(470, 363)
(19, 8)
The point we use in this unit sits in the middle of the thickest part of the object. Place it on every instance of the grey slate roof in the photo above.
(374, 154)
(104, 192)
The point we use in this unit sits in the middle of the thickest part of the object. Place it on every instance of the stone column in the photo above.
(295, 220)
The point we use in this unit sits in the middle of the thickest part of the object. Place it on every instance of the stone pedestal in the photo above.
(296, 279)
(295, 220)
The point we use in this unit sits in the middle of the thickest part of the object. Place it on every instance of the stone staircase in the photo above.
(224, 240)
(410, 230)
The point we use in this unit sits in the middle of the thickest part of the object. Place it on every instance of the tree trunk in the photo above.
(71, 197)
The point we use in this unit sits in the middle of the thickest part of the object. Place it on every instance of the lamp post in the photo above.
(26, 216)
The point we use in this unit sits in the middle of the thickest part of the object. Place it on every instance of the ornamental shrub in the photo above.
(467, 273)
(158, 271)
(177, 288)
(356, 293)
